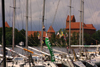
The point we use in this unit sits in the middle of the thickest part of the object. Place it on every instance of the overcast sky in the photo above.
(91, 13)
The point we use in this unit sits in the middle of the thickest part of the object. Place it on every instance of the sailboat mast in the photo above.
(70, 23)
(14, 11)
(80, 21)
(42, 24)
(26, 24)
(3, 29)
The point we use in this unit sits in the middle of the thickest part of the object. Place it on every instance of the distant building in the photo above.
(6, 24)
(75, 26)
(49, 33)
(38, 34)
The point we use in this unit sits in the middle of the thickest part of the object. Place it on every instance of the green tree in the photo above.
(33, 41)
(22, 32)
(74, 39)
(8, 32)
(62, 40)
(8, 35)
(21, 36)
(96, 36)
(30, 40)
(87, 39)
(53, 38)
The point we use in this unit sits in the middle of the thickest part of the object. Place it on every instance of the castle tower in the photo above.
(72, 20)
(50, 31)
(6, 24)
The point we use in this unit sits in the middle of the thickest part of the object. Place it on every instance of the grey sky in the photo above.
(91, 13)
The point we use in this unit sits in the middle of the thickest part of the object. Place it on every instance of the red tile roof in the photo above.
(51, 29)
(72, 19)
(90, 26)
(6, 24)
(32, 32)
(76, 25)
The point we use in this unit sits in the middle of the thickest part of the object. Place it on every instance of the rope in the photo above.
(55, 13)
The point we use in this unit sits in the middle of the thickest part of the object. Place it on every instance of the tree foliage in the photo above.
(8, 35)
(33, 41)
(19, 36)
(55, 39)
(96, 36)
(75, 39)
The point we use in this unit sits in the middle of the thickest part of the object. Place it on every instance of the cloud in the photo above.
(91, 12)
(95, 18)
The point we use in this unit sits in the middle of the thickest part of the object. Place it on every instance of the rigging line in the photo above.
(46, 17)
(11, 14)
(30, 38)
(18, 11)
(61, 14)
(63, 5)
(99, 9)
(95, 39)
(21, 13)
(30, 12)
(31, 16)
(73, 7)
(90, 12)
(92, 18)
(65, 9)
(33, 22)
(40, 14)
(55, 13)
(6, 12)
(9, 17)
(98, 4)
(94, 8)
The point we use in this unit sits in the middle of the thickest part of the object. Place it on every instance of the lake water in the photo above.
(63, 49)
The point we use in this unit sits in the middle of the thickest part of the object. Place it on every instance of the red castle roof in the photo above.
(51, 29)
(6, 24)
(44, 34)
(72, 19)
(32, 32)
(76, 25)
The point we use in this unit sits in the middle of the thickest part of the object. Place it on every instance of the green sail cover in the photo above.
(50, 49)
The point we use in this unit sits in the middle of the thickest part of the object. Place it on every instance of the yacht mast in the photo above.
(26, 24)
(42, 24)
(80, 21)
(70, 23)
(14, 11)
(3, 29)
